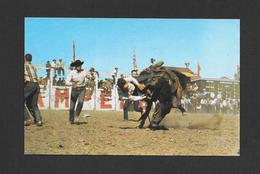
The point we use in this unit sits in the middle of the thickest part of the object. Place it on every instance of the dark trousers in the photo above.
(26, 113)
(60, 70)
(76, 94)
(31, 93)
(48, 71)
(126, 106)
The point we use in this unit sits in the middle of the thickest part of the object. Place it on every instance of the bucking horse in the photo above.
(163, 85)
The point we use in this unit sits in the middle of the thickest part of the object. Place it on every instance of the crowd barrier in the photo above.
(58, 98)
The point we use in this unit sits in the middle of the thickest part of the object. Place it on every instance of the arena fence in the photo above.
(58, 97)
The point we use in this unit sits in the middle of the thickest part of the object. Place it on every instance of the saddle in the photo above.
(151, 76)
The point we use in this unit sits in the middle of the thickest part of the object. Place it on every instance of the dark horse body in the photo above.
(166, 90)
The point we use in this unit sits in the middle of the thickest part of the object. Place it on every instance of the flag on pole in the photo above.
(198, 71)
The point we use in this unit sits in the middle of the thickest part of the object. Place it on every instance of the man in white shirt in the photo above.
(60, 67)
(203, 103)
(130, 89)
(77, 79)
(224, 106)
(195, 87)
(54, 67)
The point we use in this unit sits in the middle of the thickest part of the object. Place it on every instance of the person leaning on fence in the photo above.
(31, 91)
(130, 90)
(77, 79)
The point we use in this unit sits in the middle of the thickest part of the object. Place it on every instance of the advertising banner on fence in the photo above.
(58, 97)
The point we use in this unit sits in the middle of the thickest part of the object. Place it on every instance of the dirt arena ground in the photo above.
(105, 133)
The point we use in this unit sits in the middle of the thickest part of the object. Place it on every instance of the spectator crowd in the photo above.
(54, 70)
(202, 101)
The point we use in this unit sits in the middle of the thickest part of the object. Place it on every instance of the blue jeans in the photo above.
(76, 94)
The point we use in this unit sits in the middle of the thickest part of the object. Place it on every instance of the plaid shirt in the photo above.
(30, 74)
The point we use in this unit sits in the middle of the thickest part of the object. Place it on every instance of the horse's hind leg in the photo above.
(182, 109)
(164, 109)
(176, 103)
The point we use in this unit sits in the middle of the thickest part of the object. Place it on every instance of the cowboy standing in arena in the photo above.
(31, 90)
(130, 89)
(77, 78)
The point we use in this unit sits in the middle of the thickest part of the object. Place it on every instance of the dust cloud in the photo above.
(193, 122)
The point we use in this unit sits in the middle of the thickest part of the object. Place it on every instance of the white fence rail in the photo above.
(58, 97)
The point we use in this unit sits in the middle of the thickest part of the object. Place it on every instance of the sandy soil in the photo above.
(105, 133)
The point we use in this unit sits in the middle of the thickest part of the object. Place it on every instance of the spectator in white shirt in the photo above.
(60, 67)
(54, 67)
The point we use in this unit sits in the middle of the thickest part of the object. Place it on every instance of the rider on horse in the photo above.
(131, 91)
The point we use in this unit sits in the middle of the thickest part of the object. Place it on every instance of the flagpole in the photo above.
(198, 70)
(74, 52)
(50, 88)
(96, 88)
